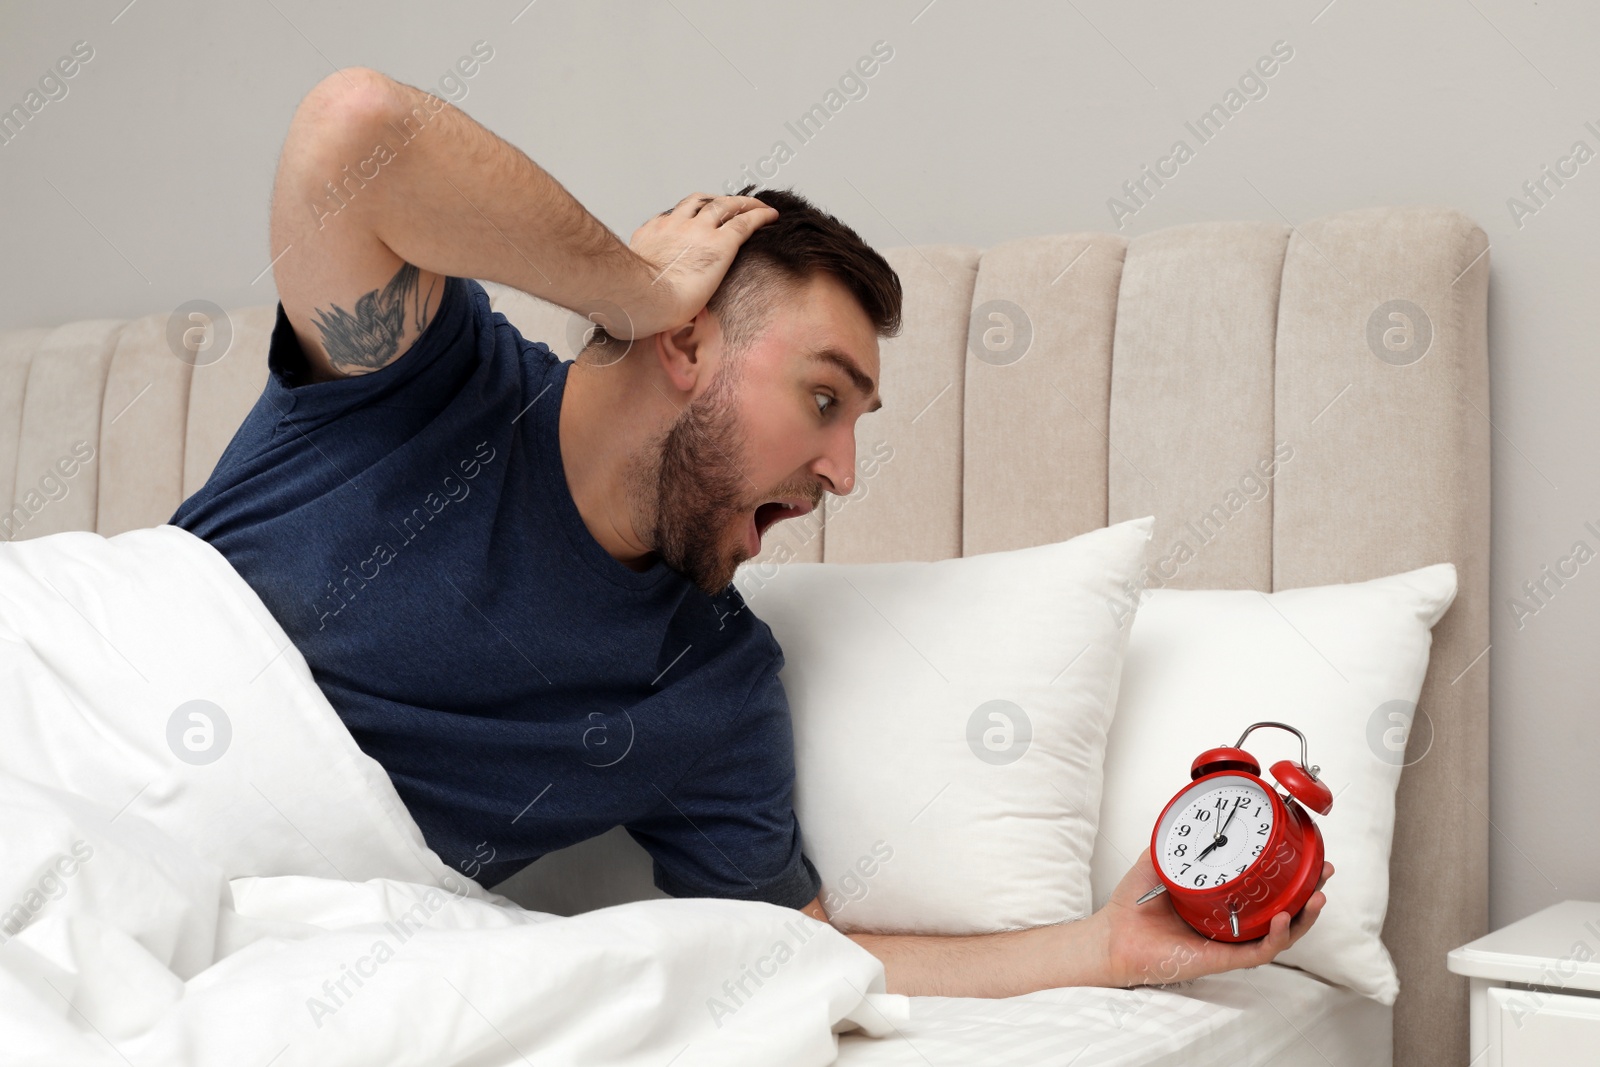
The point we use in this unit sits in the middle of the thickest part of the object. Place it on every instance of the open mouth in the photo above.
(778, 510)
(770, 512)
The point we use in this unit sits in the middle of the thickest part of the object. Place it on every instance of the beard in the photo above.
(688, 488)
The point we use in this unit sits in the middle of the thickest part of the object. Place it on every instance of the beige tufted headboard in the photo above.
(1041, 388)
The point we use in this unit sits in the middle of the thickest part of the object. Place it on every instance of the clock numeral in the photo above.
(1185, 870)
(1264, 828)
(1204, 814)
(1257, 815)
(1239, 871)
(1199, 879)
(1257, 850)
(1183, 831)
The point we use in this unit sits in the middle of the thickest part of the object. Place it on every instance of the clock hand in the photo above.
(1221, 838)
(1224, 827)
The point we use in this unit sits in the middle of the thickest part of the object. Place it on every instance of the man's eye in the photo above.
(825, 402)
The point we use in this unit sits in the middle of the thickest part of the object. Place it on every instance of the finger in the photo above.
(1306, 919)
(679, 208)
(1274, 942)
(691, 204)
(724, 209)
(747, 222)
(1278, 935)
(1308, 916)
(700, 206)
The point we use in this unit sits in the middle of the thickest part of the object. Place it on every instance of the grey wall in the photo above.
(148, 184)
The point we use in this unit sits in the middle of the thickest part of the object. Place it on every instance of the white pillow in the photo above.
(949, 722)
(1343, 664)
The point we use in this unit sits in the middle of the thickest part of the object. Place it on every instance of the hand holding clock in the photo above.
(1152, 945)
(1241, 909)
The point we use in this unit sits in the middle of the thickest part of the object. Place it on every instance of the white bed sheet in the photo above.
(1271, 1016)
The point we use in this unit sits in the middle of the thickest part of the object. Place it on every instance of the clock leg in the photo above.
(1148, 897)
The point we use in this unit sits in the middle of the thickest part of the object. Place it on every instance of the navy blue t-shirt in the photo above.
(412, 531)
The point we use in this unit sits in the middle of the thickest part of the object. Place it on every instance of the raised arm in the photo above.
(383, 190)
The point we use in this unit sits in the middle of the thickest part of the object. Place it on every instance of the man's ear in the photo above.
(682, 351)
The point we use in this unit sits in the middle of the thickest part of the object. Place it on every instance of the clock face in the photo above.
(1214, 832)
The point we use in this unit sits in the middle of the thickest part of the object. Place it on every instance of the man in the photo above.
(510, 574)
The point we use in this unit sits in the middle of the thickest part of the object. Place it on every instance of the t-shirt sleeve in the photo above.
(728, 828)
(416, 378)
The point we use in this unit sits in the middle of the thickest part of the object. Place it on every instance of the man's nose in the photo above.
(837, 465)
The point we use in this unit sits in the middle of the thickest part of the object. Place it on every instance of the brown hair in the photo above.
(801, 242)
(785, 253)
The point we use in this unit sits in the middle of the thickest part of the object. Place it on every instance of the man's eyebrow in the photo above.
(862, 383)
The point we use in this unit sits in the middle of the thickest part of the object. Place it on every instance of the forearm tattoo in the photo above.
(371, 337)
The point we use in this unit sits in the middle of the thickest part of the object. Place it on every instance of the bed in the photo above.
(1155, 368)
(1274, 1017)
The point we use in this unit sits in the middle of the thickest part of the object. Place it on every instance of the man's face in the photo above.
(763, 443)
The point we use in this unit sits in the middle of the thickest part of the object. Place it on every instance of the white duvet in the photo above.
(199, 866)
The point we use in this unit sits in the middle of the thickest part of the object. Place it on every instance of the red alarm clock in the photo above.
(1231, 851)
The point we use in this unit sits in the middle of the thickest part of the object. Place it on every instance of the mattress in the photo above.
(1271, 1016)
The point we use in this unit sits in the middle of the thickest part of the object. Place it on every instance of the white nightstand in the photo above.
(1535, 989)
